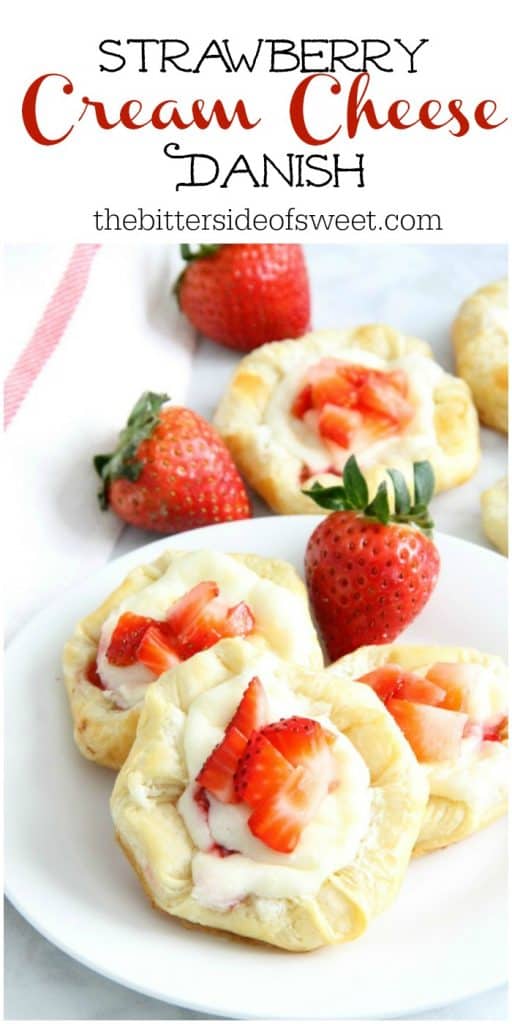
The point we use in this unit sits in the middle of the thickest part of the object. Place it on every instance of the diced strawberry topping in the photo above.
(375, 401)
(261, 770)
(92, 675)
(156, 651)
(279, 819)
(201, 799)
(302, 402)
(393, 681)
(398, 378)
(252, 712)
(201, 618)
(333, 388)
(280, 816)
(218, 771)
(188, 608)
(434, 733)
(298, 739)
(381, 396)
(496, 729)
(125, 639)
(339, 425)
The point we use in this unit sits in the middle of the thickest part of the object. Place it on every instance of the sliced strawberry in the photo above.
(339, 424)
(92, 675)
(398, 378)
(215, 622)
(239, 620)
(435, 734)
(393, 681)
(156, 651)
(456, 679)
(218, 771)
(125, 640)
(261, 770)
(333, 389)
(201, 799)
(496, 729)
(252, 712)
(379, 395)
(188, 608)
(298, 739)
(278, 820)
(302, 402)
(201, 618)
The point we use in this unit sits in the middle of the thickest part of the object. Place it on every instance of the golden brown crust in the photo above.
(153, 834)
(104, 733)
(494, 503)
(273, 470)
(480, 339)
(446, 820)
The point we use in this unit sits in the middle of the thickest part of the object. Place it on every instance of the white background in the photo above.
(58, 187)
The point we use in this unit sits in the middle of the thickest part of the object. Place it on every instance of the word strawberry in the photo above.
(170, 471)
(370, 571)
(245, 295)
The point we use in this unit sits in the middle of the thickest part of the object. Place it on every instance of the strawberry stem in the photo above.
(188, 254)
(122, 462)
(353, 495)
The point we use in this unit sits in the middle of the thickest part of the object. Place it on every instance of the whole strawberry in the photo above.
(369, 571)
(170, 471)
(245, 295)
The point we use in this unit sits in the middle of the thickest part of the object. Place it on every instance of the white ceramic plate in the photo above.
(443, 940)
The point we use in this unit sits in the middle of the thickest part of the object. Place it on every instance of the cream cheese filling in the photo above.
(301, 440)
(328, 843)
(280, 615)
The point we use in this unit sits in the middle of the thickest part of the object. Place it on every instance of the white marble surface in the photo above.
(417, 289)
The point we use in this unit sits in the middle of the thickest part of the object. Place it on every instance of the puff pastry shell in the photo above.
(446, 820)
(480, 339)
(274, 470)
(154, 837)
(105, 733)
(495, 514)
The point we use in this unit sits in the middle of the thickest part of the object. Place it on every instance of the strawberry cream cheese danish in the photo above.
(164, 614)
(296, 410)
(451, 704)
(267, 800)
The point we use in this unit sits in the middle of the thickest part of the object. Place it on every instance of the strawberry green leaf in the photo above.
(402, 496)
(379, 507)
(331, 498)
(356, 488)
(353, 496)
(424, 483)
(188, 254)
(122, 462)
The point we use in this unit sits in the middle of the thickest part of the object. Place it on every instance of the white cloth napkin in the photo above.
(124, 336)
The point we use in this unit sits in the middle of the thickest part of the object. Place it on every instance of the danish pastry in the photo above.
(164, 613)
(495, 514)
(451, 703)
(266, 800)
(296, 410)
(480, 339)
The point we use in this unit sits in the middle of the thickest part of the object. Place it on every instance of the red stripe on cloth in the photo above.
(49, 330)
